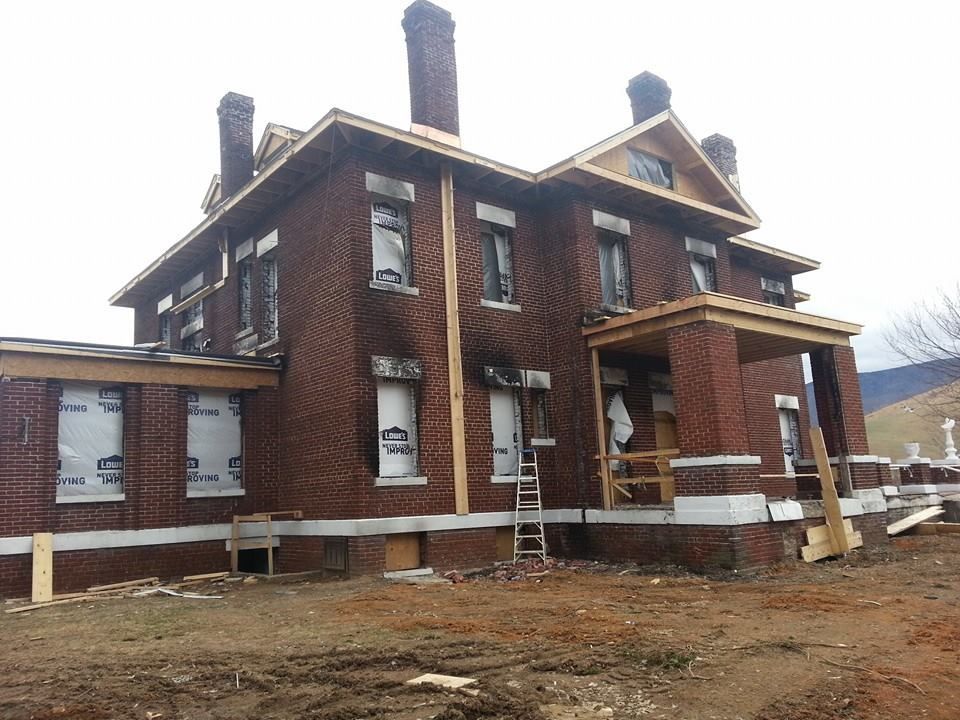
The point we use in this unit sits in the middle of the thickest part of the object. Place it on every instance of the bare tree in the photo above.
(928, 334)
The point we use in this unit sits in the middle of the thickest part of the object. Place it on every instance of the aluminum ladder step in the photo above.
(528, 501)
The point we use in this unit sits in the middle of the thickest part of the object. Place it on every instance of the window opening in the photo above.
(397, 428)
(650, 169)
(614, 269)
(497, 262)
(391, 241)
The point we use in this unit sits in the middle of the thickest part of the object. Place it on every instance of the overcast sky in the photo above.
(845, 115)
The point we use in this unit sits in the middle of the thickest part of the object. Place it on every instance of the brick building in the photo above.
(398, 317)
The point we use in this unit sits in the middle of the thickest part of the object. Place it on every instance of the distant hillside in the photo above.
(914, 419)
(885, 387)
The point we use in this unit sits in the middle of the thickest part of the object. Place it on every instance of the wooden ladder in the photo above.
(253, 544)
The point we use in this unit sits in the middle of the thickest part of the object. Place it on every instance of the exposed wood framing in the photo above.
(123, 370)
(605, 490)
(454, 359)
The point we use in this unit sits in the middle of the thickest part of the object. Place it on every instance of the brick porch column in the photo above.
(712, 431)
(840, 411)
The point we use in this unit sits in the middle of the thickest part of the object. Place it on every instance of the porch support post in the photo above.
(601, 430)
(712, 433)
(836, 388)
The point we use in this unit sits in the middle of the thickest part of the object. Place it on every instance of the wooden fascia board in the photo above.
(793, 263)
(805, 332)
(646, 327)
(124, 370)
(211, 220)
(741, 221)
(434, 146)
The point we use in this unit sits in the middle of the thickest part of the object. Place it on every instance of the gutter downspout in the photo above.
(454, 358)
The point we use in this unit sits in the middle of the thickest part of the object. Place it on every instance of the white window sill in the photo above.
(390, 287)
(543, 442)
(399, 481)
(619, 309)
(232, 492)
(500, 305)
(268, 343)
(71, 499)
(503, 479)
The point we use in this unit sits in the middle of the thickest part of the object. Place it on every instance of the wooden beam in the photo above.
(605, 491)
(235, 544)
(831, 502)
(454, 359)
(122, 370)
(42, 568)
(918, 517)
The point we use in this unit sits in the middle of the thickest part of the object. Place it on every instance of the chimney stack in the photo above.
(649, 95)
(723, 152)
(236, 142)
(432, 64)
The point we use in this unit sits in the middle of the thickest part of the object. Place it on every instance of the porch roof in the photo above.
(763, 331)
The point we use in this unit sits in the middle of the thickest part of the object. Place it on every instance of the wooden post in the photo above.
(601, 430)
(831, 502)
(42, 568)
(235, 545)
(269, 545)
(454, 360)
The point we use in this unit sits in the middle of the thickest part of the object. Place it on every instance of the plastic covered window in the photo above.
(614, 269)
(650, 169)
(497, 262)
(391, 241)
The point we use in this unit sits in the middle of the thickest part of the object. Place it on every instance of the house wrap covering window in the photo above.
(497, 263)
(703, 268)
(614, 269)
(90, 442)
(649, 168)
(397, 427)
(506, 426)
(214, 440)
(390, 219)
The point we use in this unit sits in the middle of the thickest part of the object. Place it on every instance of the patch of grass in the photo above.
(663, 658)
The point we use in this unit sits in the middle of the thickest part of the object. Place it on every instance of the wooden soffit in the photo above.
(763, 331)
(62, 363)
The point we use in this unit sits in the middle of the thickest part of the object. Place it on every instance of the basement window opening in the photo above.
(397, 428)
(497, 243)
(392, 262)
(650, 169)
(507, 430)
(614, 269)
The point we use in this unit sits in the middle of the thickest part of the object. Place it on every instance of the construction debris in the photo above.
(911, 520)
(447, 681)
(939, 528)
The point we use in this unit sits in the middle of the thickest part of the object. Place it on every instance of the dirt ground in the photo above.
(872, 636)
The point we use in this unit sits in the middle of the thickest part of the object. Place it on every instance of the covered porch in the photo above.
(701, 342)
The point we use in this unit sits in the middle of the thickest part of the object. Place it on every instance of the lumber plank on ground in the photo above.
(86, 597)
(825, 549)
(821, 533)
(124, 584)
(206, 576)
(911, 520)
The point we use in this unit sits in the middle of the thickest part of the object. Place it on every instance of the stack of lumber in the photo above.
(128, 588)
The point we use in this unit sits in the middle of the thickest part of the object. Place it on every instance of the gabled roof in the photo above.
(275, 139)
(289, 162)
(212, 196)
(701, 192)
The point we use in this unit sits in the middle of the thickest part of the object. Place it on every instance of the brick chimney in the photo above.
(432, 65)
(236, 142)
(649, 95)
(723, 152)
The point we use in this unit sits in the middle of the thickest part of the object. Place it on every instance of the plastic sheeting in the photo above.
(649, 169)
(704, 274)
(214, 440)
(497, 264)
(397, 431)
(622, 429)
(90, 441)
(614, 279)
(504, 421)
(391, 228)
